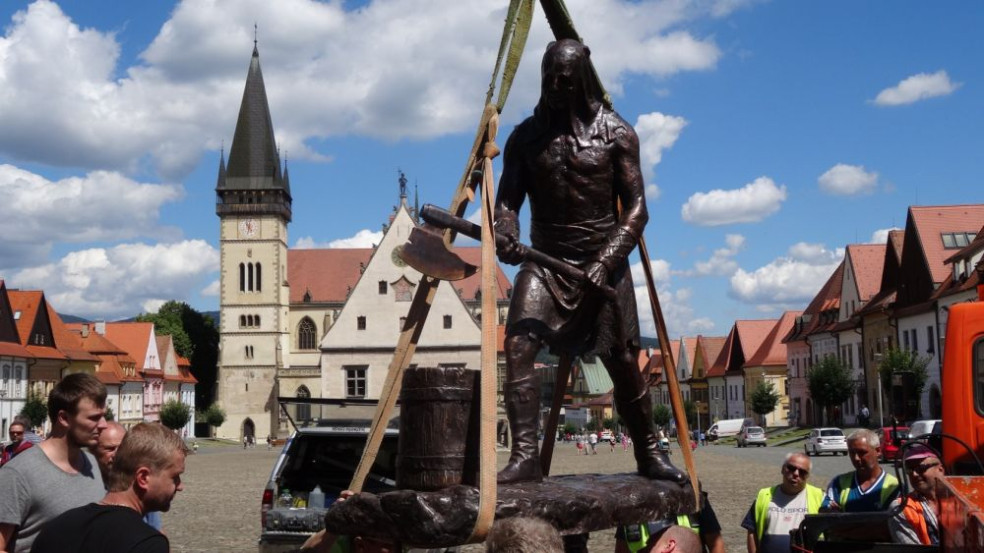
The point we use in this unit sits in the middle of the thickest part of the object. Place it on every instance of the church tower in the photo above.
(253, 203)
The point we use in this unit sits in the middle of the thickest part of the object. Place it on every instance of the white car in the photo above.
(920, 428)
(825, 440)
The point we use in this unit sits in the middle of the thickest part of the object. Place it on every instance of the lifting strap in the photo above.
(519, 17)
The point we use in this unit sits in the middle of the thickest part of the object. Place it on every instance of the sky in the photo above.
(773, 133)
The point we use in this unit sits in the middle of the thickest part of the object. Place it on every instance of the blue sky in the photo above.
(774, 133)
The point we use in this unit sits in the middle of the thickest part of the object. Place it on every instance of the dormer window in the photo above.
(952, 240)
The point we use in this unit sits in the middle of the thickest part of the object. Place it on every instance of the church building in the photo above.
(316, 322)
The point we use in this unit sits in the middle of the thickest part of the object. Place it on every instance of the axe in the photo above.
(426, 251)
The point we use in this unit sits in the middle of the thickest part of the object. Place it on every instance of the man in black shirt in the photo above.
(145, 476)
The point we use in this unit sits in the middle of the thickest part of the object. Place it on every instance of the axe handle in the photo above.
(443, 219)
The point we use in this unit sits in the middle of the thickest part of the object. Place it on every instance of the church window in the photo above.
(249, 321)
(447, 321)
(355, 381)
(382, 287)
(306, 334)
(259, 278)
(249, 352)
(360, 322)
(256, 320)
(242, 321)
(242, 277)
(249, 277)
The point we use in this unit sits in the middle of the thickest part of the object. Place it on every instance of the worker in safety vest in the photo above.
(779, 509)
(918, 521)
(868, 488)
(633, 538)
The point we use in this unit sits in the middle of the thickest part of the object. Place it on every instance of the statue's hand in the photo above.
(597, 275)
(513, 253)
(507, 225)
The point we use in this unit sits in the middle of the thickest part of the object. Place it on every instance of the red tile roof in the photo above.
(68, 341)
(827, 299)
(751, 336)
(720, 364)
(773, 351)
(29, 303)
(867, 261)
(13, 349)
(329, 274)
(133, 338)
(690, 342)
(710, 347)
(933, 221)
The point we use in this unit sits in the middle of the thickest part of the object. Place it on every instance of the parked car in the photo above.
(891, 441)
(322, 452)
(751, 435)
(825, 440)
(920, 428)
(606, 435)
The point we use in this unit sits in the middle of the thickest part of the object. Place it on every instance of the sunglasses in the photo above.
(12, 433)
(794, 469)
(921, 469)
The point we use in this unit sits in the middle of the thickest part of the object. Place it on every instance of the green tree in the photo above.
(764, 398)
(214, 416)
(569, 428)
(196, 337)
(690, 409)
(591, 425)
(896, 360)
(35, 409)
(110, 416)
(608, 423)
(174, 414)
(661, 415)
(830, 383)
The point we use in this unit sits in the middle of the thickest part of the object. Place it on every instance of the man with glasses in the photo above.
(779, 509)
(918, 521)
(866, 489)
(17, 442)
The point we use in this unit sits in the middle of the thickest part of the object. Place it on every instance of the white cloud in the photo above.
(749, 204)
(787, 282)
(675, 304)
(390, 69)
(212, 290)
(365, 238)
(101, 206)
(653, 192)
(848, 180)
(722, 261)
(122, 280)
(880, 236)
(657, 132)
(917, 87)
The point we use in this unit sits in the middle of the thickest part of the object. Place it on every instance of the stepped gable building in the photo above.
(320, 323)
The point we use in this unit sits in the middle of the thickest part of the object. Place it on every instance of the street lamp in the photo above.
(881, 412)
(697, 409)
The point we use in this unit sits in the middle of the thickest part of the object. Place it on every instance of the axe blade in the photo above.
(426, 252)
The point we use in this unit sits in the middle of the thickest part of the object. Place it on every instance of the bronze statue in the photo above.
(576, 160)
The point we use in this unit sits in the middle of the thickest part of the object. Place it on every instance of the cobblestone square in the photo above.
(219, 511)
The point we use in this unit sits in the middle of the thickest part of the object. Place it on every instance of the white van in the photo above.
(725, 428)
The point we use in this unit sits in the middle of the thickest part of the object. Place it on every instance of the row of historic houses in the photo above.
(894, 295)
(141, 371)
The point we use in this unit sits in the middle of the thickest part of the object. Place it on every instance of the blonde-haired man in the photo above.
(145, 476)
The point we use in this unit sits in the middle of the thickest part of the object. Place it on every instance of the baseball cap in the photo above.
(917, 451)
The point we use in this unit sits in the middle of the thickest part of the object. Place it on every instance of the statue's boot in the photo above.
(637, 415)
(523, 408)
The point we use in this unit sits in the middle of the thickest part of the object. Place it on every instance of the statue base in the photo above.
(574, 504)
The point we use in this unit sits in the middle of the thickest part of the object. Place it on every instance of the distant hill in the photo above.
(73, 318)
(76, 319)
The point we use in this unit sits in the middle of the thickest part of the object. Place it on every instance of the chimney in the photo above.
(100, 327)
(85, 330)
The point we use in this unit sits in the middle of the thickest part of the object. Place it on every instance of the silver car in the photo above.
(825, 440)
(751, 435)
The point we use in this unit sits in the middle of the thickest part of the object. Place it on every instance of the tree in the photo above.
(196, 337)
(569, 428)
(830, 383)
(591, 425)
(608, 423)
(661, 415)
(110, 416)
(690, 409)
(175, 415)
(896, 360)
(214, 416)
(764, 398)
(35, 409)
